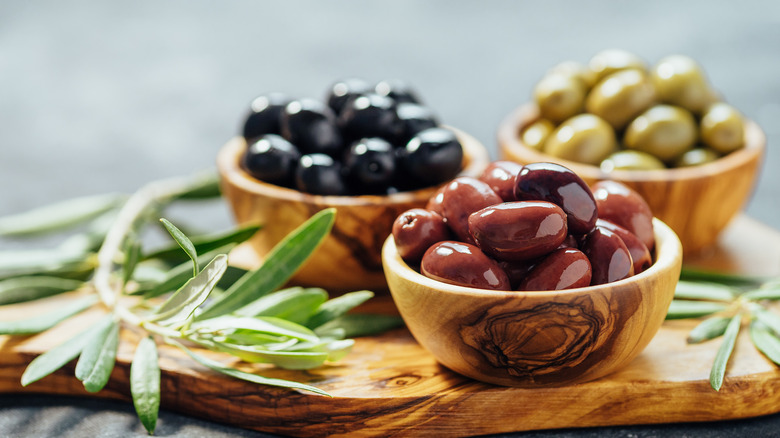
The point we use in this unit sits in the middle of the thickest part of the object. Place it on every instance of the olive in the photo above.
(398, 90)
(577, 70)
(609, 257)
(415, 230)
(680, 81)
(520, 230)
(559, 96)
(536, 134)
(435, 202)
(557, 184)
(342, 91)
(623, 206)
(640, 255)
(620, 97)
(516, 270)
(264, 115)
(370, 165)
(610, 61)
(311, 126)
(561, 269)
(271, 159)
(319, 174)
(433, 156)
(722, 128)
(664, 131)
(696, 157)
(460, 198)
(413, 118)
(500, 176)
(631, 160)
(463, 264)
(569, 242)
(585, 138)
(370, 115)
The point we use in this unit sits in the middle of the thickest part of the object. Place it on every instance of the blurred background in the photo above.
(105, 96)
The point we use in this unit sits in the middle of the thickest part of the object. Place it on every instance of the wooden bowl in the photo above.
(535, 339)
(350, 257)
(696, 202)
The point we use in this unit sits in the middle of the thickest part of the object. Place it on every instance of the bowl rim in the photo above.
(228, 159)
(527, 113)
(668, 251)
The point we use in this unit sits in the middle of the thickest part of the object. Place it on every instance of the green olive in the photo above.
(620, 97)
(536, 134)
(610, 61)
(664, 131)
(559, 96)
(585, 138)
(722, 128)
(680, 81)
(631, 160)
(696, 156)
(578, 70)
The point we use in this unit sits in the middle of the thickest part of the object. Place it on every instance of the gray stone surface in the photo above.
(105, 96)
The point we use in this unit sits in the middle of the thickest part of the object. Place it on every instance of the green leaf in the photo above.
(693, 274)
(770, 319)
(145, 383)
(92, 239)
(203, 244)
(132, 257)
(38, 261)
(216, 366)
(768, 291)
(681, 309)
(178, 308)
(360, 324)
(708, 329)
(690, 290)
(40, 323)
(97, 358)
(58, 216)
(178, 275)
(184, 242)
(724, 352)
(261, 324)
(766, 342)
(290, 360)
(295, 304)
(338, 306)
(203, 186)
(280, 264)
(58, 356)
(20, 289)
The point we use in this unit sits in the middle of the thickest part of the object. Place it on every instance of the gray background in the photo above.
(105, 96)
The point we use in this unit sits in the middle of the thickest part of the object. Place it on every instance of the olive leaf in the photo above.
(353, 325)
(203, 186)
(132, 257)
(40, 323)
(295, 304)
(724, 352)
(20, 289)
(291, 360)
(708, 329)
(145, 383)
(261, 324)
(692, 274)
(98, 358)
(681, 309)
(338, 306)
(769, 291)
(768, 318)
(178, 275)
(203, 244)
(689, 290)
(38, 261)
(184, 242)
(58, 216)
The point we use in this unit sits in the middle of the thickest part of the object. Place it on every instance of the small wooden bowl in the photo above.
(350, 257)
(696, 202)
(535, 339)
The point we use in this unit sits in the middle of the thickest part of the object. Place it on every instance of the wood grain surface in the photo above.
(390, 386)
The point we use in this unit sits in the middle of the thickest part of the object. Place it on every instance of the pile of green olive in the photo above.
(618, 113)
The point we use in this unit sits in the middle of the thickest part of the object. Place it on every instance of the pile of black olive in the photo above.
(364, 139)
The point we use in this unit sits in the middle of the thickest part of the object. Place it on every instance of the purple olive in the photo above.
(517, 271)
(570, 242)
(415, 230)
(609, 257)
(518, 230)
(435, 201)
(624, 207)
(500, 176)
(464, 265)
(557, 184)
(640, 256)
(561, 269)
(460, 198)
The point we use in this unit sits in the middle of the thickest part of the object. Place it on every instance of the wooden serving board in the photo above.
(389, 385)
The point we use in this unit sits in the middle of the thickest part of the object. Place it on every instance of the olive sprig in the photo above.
(726, 302)
(185, 293)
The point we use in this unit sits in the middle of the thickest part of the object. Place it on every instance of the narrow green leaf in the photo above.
(692, 274)
(58, 216)
(769, 291)
(681, 309)
(766, 342)
(132, 257)
(360, 324)
(58, 356)
(40, 323)
(290, 360)
(724, 353)
(20, 289)
(690, 290)
(261, 324)
(295, 304)
(769, 318)
(708, 329)
(93, 237)
(34, 261)
(204, 186)
(338, 306)
(89, 356)
(216, 366)
(145, 383)
(204, 244)
(178, 308)
(248, 337)
(184, 242)
(178, 275)
(285, 258)
(99, 357)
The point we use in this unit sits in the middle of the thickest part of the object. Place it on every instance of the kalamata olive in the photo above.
(609, 257)
(696, 157)
(610, 61)
(620, 97)
(500, 176)
(433, 156)
(369, 115)
(415, 230)
(516, 271)
(413, 118)
(631, 160)
(342, 91)
(398, 90)
(559, 96)
(569, 242)
(623, 206)
(640, 255)
(311, 126)
(536, 134)
(460, 198)
(584, 138)
(680, 81)
(271, 159)
(722, 128)
(264, 115)
(518, 230)
(577, 70)
(435, 202)
(664, 131)
(319, 174)
(464, 265)
(557, 184)
(561, 269)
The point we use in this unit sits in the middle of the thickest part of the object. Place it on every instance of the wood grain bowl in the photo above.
(696, 202)
(537, 339)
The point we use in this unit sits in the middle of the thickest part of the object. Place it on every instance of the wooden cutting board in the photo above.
(389, 385)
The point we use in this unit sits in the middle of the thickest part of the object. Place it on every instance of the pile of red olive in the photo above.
(530, 228)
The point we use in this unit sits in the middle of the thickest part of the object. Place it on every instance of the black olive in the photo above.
(433, 156)
(398, 90)
(264, 115)
(311, 126)
(370, 165)
(414, 118)
(342, 91)
(370, 115)
(271, 159)
(319, 174)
